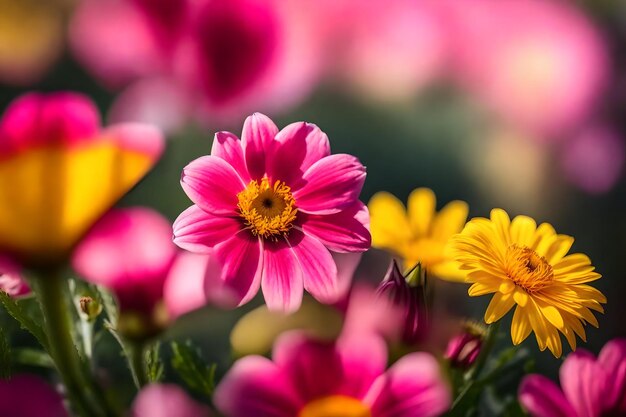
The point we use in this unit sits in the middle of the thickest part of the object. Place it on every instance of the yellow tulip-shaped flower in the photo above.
(59, 172)
(419, 234)
(528, 266)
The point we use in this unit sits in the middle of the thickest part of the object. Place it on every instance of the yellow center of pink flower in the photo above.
(267, 210)
(335, 406)
(528, 269)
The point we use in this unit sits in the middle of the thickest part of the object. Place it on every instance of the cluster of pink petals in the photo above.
(130, 251)
(330, 216)
(216, 58)
(304, 370)
(27, 395)
(166, 400)
(590, 386)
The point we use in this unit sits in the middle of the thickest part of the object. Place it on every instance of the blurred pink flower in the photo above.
(225, 57)
(29, 396)
(389, 50)
(61, 172)
(166, 400)
(540, 64)
(593, 159)
(590, 387)
(272, 205)
(131, 252)
(11, 280)
(311, 378)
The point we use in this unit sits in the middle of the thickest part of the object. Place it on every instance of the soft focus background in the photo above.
(516, 104)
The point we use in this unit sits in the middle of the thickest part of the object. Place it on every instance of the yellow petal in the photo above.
(501, 224)
(449, 271)
(523, 230)
(521, 297)
(421, 210)
(559, 248)
(498, 306)
(450, 220)
(388, 222)
(53, 195)
(520, 326)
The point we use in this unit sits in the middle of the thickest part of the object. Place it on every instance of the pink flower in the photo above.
(131, 252)
(61, 171)
(590, 387)
(308, 378)
(29, 396)
(11, 280)
(272, 205)
(166, 400)
(540, 64)
(225, 57)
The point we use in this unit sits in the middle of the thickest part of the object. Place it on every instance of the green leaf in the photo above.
(154, 366)
(193, 370)
(26, 322)
(32, 357)
(5, 356)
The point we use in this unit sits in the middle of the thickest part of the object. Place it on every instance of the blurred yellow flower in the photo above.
(418, 234)
(527, 265)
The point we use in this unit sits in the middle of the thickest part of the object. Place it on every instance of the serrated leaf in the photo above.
(192, 369)
(154, 365)
(5, 356)
(32, 357)
(18, 313)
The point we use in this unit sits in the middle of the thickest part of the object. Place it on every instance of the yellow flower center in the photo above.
(528, 269)
(267, 210)
(335, 406)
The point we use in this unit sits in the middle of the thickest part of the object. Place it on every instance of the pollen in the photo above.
(528, 269)
(268, 210)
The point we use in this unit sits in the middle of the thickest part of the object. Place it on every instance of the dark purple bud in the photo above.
(464, 348)
(408, 294)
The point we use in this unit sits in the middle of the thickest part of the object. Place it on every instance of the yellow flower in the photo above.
(419, 234)
(528, 265)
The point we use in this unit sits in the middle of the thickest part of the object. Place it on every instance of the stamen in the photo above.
(267, 210)
(528, 269)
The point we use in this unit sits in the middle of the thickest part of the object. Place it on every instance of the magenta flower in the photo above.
(11, 280)
(131, 252)
(272, 205)
(590, 387)
(166, 400)
(309, 378)
(29, 396)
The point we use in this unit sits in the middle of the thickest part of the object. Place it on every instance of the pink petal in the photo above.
(137, 137)
(346, 231)
(212, 184)
(542, 398)
(319, 368)
(113, 40)
(197, 231)
(18, 394)
(297, 147)
(166, 400)
(317, 265)
(347, 264)
(255, 386)
(582, 382)
(183, 290)
(282, 281)
(40, 119)
(129, 251)
(413, 386)
(612, 358)
(228, 147)
(256, 139)
(242, 263)
(11, 280)
(331, 184)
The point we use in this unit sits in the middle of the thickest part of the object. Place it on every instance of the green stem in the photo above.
(135, 353)
(51, 297)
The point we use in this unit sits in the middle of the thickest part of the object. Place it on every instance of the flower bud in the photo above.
(464, 348)
(408, 294)
(89, 307)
